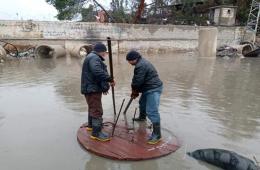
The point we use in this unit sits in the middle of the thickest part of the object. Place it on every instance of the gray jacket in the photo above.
(145, 76)
(94, 77)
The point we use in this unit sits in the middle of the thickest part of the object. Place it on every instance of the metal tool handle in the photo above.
(111, 74)
(128, 104)
(117, 117)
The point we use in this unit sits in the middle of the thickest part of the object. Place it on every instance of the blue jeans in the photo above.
(149, 103)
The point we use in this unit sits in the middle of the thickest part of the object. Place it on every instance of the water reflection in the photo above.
(94, 163)
(2, 118)
(22, 72)
(233, 91)
(226, 90)
(205, 102)
(46, 64)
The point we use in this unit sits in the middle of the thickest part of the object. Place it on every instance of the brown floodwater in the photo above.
(206, 103)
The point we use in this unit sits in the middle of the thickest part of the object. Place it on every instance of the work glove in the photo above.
(112, 83)
(134, 94)
(105, 93)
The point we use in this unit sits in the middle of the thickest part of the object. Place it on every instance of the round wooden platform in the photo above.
(128, 143)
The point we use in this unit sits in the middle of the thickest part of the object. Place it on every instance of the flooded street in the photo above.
(206, 103)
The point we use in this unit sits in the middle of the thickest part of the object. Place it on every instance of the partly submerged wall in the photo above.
(124, 36)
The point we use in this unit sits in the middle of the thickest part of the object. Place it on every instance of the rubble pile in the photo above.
(227, 51)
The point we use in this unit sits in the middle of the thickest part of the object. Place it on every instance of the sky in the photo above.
(30, 9)
(26, 9)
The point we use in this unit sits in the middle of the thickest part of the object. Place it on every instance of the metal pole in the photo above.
(134, 118)
(117, 118)
(128, 104)
(257, 20)
(111, 73)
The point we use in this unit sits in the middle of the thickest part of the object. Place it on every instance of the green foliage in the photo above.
(66, 8)
(119, 10)
(88, 14)
(243, 10)
(125, 10)
(121, 17)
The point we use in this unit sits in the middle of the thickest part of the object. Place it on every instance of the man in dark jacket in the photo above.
(95, 81)
(147, 82)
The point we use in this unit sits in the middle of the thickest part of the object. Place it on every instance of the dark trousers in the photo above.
(94, 104)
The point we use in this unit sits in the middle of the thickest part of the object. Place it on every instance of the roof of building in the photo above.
(223, 6)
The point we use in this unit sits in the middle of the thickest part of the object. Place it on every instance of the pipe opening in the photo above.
(44, 51)
(246, 49)
(84, 50)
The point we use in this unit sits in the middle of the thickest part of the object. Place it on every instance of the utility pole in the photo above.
(253, 18)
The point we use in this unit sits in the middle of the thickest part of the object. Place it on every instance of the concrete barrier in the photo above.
(2, 54)
(208, 42)
(50, 51)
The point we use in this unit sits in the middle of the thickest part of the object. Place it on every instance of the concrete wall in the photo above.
(124, 36)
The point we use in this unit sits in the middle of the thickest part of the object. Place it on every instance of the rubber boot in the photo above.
(141, 118)
(97, 134)
(156, 134)
(89, 127)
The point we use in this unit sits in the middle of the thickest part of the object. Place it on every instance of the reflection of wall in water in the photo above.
(2, 118)
(68, 86)
(45, 64)
(224, 89)
(100, 163)
(22, 72)
(232, 90)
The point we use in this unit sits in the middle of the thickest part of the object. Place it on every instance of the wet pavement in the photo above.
(206, 103)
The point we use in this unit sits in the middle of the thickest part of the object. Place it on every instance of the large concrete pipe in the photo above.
(50, 51)
(79, 50)
(2, 54)
(208, 42)
(243, 49)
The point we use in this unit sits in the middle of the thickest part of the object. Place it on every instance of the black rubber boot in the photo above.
(156, 135)
(89, 127)
(97, 134)
(141, 118)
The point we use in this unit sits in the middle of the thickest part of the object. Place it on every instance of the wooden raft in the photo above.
(128, 144)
